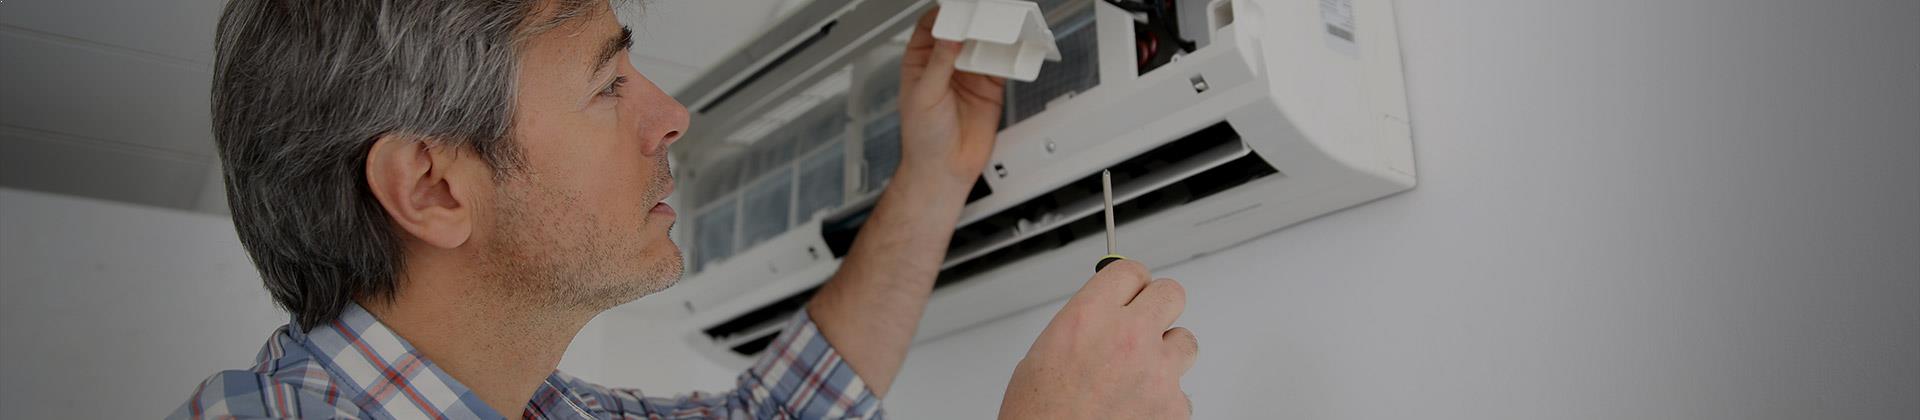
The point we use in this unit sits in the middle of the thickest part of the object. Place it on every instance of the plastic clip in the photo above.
(1005, 38)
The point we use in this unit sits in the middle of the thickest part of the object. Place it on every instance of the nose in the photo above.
(665, 119)
(676, 117)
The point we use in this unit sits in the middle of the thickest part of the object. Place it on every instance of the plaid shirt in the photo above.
(355, 367)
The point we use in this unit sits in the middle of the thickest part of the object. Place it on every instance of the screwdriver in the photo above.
(1106, 190)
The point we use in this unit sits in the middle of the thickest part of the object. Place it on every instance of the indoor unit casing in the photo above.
(1282, 111)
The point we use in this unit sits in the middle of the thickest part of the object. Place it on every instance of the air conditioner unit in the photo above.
(1257, 115)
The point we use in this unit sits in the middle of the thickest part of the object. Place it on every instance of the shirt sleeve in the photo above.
(800, 376)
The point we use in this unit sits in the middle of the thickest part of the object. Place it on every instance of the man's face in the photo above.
(584, 226)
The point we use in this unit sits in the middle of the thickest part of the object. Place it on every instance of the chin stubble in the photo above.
(574, 267)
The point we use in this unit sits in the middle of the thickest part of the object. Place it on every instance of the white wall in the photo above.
(110, 309)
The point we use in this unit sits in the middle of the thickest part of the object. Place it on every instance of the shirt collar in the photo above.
(389, 376)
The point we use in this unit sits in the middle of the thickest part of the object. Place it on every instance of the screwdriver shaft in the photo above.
(1106, 188)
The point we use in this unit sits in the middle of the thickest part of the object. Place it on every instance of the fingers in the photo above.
(938, 74)
(923, 30)
(983, 88)
(921, 43)
(1114, 286)
(1162, 301)
(1182, 346)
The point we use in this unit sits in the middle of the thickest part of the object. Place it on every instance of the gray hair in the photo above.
(301, 89)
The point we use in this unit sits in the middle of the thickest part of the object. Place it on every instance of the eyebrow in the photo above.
(613, 47)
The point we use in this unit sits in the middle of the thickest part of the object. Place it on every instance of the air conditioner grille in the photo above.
(1186, 170)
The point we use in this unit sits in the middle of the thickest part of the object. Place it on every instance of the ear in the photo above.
(427, 191)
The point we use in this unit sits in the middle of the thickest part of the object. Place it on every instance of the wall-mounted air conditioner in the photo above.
(1221, 121)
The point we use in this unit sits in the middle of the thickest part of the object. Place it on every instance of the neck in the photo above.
(497, 344)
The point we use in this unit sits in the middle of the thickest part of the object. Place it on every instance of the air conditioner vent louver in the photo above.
(756, 345)
(771, 314)
(1182, 171)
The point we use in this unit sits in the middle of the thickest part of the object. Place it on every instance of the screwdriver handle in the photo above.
(1109, 259)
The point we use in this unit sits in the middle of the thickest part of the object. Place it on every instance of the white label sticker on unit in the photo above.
(1338, 16)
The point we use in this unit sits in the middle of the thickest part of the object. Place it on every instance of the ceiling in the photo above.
(108, 98)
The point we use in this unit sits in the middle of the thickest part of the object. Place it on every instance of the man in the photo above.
(443, 192)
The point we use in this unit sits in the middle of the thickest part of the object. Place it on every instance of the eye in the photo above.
(613, 88)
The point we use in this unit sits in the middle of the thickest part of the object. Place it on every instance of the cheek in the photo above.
(596, 157)
(611, 176)
(586, 153)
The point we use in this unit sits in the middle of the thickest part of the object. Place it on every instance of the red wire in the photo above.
(1148, 49)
